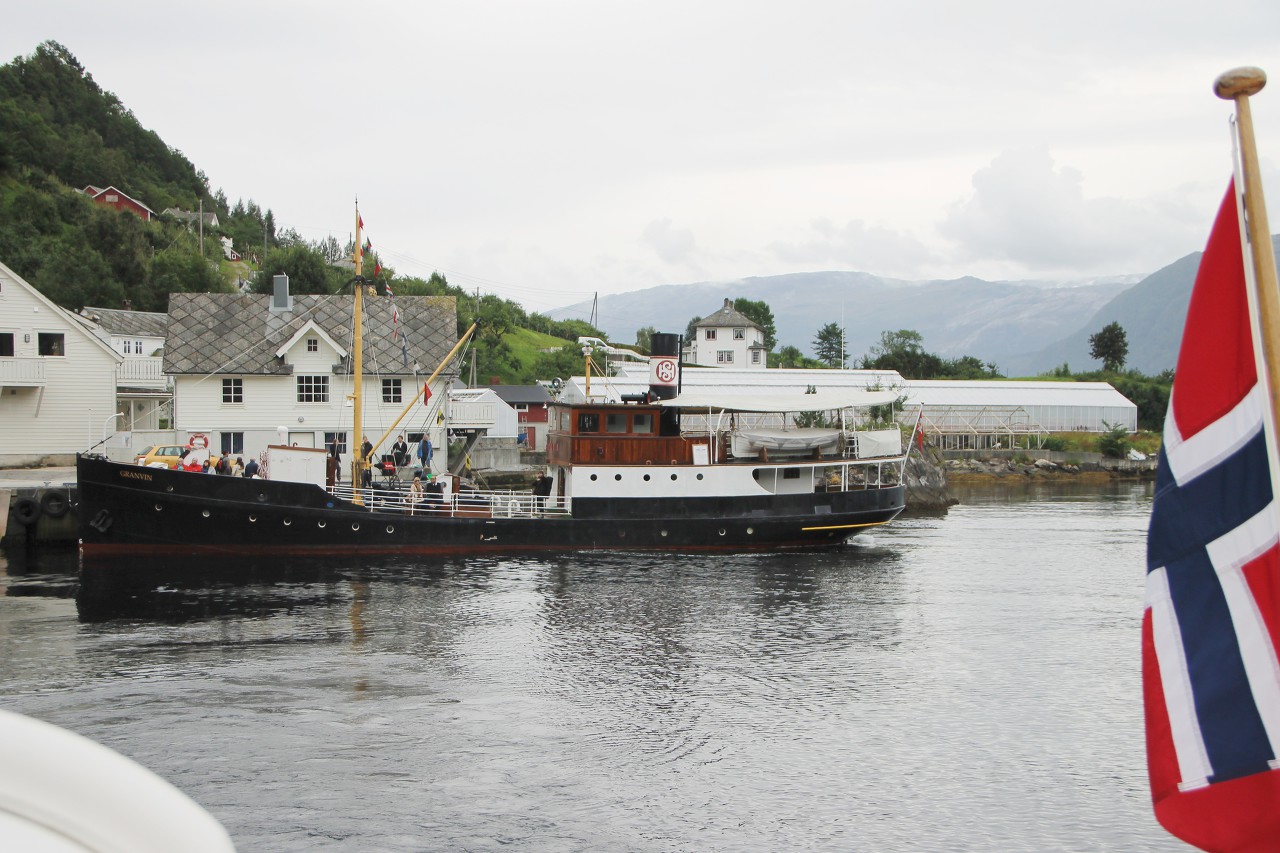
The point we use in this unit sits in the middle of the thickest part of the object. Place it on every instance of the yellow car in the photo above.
(170, 455)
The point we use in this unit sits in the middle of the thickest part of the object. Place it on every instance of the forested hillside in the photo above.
(60, 132)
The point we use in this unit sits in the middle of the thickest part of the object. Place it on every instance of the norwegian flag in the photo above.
(1211, 678)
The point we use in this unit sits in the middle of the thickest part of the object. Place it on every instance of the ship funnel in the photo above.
(664, 366)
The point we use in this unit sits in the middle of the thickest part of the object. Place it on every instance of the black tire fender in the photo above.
(26, 510)
(55, 503)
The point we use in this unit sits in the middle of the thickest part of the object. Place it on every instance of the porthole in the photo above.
(262, 498)
(593, 478)
(720, 531)
(646, 478)
(391, 528)
(252, 518)
(205, 513)
(355, 526)
(158, 507)
(168, 488)
(664, 534)
(288, 521)
(617, 477)
(699, 476)
(321, 523)
(622, 534)
(750, 530)
(674, 476)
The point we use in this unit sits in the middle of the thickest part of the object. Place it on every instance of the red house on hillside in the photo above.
(112, 197)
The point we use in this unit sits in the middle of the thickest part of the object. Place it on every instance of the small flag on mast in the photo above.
(1211, 627)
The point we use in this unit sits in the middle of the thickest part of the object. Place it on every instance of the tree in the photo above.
(790, 356)
(828, 346)
(761, 314)
(1110, 346)
(691, 331)
(896, 343)
(644, 338)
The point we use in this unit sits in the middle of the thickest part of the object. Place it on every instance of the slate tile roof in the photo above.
(117, 322)
(232, 333)
(727, 316)
(528, 395)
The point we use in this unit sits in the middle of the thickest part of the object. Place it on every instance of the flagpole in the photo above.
(1237, 85)
(358, 463)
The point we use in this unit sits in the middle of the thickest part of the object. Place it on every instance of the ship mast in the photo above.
(359, 463)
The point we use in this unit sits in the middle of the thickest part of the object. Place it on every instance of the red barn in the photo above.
(112, 197)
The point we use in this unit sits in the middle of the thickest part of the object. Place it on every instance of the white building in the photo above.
(727, 339)
(57, 379)
(144, 394)
(246, 366)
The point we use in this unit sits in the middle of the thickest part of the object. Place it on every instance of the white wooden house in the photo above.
(57, 379)
(727, 339)
(252, 370)
(143, 392)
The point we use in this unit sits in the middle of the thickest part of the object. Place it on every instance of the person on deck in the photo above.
(400, 452)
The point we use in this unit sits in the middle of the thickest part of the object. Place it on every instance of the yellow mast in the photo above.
(359, 463)
(432, 378)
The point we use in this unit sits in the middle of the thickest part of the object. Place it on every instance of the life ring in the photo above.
(55, 503)
(26, 510)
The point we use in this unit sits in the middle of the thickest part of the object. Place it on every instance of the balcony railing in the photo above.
(22, 372)
(144, 371)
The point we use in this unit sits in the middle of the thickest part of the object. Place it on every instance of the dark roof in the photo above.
(727, 316)
(117, 322)
(238, 333)
(526, 395)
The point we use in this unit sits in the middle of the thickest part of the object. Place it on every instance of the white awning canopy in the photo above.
(823, 401)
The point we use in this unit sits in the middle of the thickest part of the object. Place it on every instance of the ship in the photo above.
(663, 470)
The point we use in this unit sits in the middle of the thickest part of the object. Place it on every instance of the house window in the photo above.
(755, 356)
(6, 343)
(137, 347)
(128, 347)
(233, 390)
(313, 389)
(739, 334)
(313, 345)
(724, 356)
(51, 343)
(391, 390)
(339, 437)
(233, 442)
(710, 334)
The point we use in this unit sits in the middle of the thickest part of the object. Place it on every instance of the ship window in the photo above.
(791, 474)
(615, 422)
(50, 343)
(588, 422)
(642, 423)
(233, 390)
(313, 389)
(564, 421)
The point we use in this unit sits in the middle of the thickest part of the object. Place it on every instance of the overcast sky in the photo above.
(546, 151)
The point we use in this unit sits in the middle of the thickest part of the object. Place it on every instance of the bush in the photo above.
(1114, 443)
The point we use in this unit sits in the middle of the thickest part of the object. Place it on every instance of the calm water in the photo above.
(967, 683)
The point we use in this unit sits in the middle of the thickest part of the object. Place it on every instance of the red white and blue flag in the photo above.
(1211, 628)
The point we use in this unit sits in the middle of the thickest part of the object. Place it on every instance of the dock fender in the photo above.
(26, 510)
(55, 503)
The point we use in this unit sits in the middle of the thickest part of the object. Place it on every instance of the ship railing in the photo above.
(860, 475)
(495, 503)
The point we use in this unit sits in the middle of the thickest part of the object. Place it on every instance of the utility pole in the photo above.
(202, 226)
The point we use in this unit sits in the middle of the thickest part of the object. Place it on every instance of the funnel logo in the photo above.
(663, 371)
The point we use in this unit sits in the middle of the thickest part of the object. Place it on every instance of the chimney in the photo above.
(281, 300)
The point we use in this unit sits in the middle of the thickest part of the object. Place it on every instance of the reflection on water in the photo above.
(960, 683)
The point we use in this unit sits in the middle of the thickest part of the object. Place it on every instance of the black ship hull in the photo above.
(130, 510)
